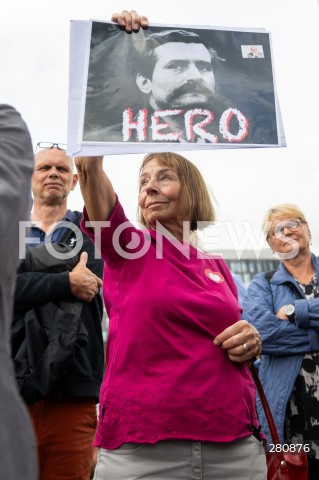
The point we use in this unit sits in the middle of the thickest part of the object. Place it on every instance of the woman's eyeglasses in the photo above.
(49, 145)
(278, 230)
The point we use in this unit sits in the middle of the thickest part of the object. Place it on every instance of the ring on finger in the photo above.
(245, 347)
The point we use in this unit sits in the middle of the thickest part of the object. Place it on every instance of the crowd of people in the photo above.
(176, 397)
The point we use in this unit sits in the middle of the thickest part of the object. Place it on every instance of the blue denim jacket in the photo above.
(284, 343)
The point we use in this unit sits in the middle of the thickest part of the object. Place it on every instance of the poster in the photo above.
(170, 88)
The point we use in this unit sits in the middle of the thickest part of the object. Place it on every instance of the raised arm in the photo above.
(96, 187)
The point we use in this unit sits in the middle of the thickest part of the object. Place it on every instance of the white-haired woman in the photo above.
(284, 306)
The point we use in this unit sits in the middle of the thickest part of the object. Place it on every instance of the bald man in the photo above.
(60, 376)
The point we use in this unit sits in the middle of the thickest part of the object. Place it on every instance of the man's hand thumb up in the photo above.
(84, 283)
(83, 259)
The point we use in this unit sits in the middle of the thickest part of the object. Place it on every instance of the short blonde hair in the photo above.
(195, 200)
(280, 211)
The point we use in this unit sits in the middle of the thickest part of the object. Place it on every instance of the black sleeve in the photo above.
(37, 288)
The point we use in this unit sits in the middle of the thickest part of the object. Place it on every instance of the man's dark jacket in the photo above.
(57, 343)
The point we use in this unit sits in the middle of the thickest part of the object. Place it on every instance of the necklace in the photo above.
(311, 289)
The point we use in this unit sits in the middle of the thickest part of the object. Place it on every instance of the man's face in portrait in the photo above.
(254, 50)
(183, 76)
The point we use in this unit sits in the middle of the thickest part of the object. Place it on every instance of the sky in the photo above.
(34, 59)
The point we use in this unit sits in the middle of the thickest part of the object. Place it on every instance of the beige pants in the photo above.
(184, 460)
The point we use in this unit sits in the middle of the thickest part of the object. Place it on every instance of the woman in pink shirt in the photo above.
(177, 396)
(177, 400)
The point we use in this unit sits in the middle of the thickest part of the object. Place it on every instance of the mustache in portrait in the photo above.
(198, 88)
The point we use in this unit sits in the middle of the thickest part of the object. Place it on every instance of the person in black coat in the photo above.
(57, 341)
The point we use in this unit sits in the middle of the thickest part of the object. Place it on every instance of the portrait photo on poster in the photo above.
(171, 87)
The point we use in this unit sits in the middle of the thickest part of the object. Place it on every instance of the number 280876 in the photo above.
(291, 448)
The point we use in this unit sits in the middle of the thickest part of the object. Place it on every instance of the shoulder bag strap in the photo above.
(269, 417)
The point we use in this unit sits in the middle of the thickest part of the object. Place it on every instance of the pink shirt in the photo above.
(165, 379)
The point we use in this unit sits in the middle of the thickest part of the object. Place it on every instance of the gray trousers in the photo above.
(184, 460)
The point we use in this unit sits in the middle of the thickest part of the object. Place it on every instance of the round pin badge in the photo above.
(216, 277)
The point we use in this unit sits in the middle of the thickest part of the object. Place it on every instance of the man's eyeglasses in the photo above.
(49, 145)
(292, 225)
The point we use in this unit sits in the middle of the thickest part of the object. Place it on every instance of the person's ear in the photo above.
(74, 181)
(143, 83)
